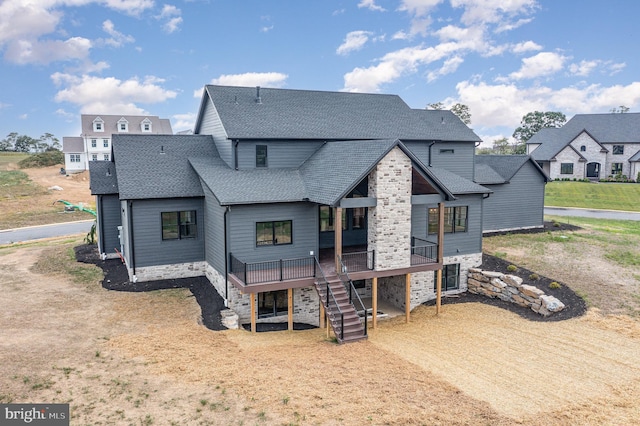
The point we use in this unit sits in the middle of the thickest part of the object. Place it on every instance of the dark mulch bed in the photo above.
(116, 278)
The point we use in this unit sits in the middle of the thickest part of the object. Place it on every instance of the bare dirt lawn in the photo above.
(144, 358)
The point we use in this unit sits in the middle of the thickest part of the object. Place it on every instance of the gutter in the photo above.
(131, 242)
(226, 260)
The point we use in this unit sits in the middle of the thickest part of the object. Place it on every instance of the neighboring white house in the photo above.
(94, 143)
(591, 146)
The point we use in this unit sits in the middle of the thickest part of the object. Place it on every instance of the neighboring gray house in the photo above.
(517, 185)
(590, 146)
(252, 200)
(94, 142)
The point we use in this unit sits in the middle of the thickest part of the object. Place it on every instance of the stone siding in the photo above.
(389, 223)
(168, 272)
(510, 289)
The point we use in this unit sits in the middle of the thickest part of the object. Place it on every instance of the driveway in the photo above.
(8, 236)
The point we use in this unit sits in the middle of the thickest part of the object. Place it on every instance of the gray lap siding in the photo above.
(149, 247)
(456, 162)
(280, 154)
(214, 232)
(109, 206)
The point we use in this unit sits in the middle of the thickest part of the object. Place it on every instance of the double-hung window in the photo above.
(74, 158)
(179, 225)
(455, 219)
(94, 143)
(105, 143)
(274, 233)
(261, 156)
(616, 169)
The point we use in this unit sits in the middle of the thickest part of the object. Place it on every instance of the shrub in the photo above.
(534, 277)
(43, 159)
(512, 268)
(554, 285)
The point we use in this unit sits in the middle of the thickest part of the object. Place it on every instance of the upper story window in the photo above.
(618, 149)
(261, 156)
(123, 125)
(94, 143)
(566, 168)
(447, 151)
(94, 157)
(145, 126)
(455, 219)
(179, 225)
(74, 158)
(327, 219)
(98, 125)
(105, 143)
(583, 148)
(273, 233)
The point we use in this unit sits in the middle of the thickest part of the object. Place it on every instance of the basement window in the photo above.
(272, 304)
(450, 277)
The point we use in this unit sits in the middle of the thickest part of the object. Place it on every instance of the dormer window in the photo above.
(145, 126)
(123, 125)
(98, 125)
(583, 148)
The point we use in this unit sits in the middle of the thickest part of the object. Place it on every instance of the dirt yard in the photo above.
(40, 206)
(144, 358)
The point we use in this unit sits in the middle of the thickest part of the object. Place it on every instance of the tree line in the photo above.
(24, 143)
(530, 124)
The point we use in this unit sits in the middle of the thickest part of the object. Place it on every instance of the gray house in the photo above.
(252, 200)
(590, 146)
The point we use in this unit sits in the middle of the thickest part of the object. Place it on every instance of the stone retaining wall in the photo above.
(510, 289)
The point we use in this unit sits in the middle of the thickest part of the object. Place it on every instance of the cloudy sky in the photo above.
(502, 58)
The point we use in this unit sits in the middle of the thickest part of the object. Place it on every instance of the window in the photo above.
(94, 157)
(74, 158)
(123, 125)
(273, 233)
(106, 157)
(583, 148)
(94, 143)
(455, 220)
(145, 125)
(98, 125)
(105, 143)
(446, 151)
(179, 225)
(327, 219)
(272, 303)
(358, 218)
(566, 168)
(616, 169)
(618, 149)
(450, 277)
(261, 156)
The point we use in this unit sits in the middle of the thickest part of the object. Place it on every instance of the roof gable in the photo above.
(499, 169)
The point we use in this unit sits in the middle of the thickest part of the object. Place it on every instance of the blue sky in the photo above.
(502, 58)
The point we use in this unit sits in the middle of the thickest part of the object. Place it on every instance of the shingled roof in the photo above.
(498, 169)
(285, 114)
(103, 178)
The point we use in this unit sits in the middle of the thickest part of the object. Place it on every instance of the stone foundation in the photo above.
(168, 272)
(510, 289)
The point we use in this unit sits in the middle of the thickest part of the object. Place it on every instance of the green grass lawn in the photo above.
(608, 196)
(11, 157)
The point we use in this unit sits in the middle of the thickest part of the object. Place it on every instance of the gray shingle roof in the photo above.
(103, 178)
(305, 114)
(604, 128)
(158, 125)
(635, 157)
(457, 184)
(72, 144)
(157, 166)
(496, 169)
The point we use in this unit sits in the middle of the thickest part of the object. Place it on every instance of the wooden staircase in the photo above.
(343, 317)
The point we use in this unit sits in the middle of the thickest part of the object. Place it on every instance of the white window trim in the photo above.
(142, 126)
(126, 125)
(98, 125)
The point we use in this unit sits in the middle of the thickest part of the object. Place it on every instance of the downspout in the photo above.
(99, 224)
(131, 242)
(226, 260)
(430, 145)
(235, 154)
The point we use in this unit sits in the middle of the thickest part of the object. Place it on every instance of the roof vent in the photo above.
(441, 120)
(258, 98)
(162, 149)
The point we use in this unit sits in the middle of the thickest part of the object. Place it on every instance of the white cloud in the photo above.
(526, 46)
(184, 121)
(47, 51)
(250, 79)
(65, 115)
(172, 17)
(354, 40)
(493, 11)
(371, 5)
(616, 68)
(117, 38)
(449, 66)
(584, 68)
(110, 95)
(542, 64)
(23, 116)
(130, 7)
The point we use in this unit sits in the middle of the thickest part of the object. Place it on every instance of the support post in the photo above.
(322, 315)
(337, 231)
(374, 302)
(407, 297)
(290, 306)
(440, 257)
(253, 312)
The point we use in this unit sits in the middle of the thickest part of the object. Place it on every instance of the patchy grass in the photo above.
(61, 260)
(608, 196)
(10, 160)
(16, 184)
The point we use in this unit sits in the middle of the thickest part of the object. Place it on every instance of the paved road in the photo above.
(595, 214)
(46, 231)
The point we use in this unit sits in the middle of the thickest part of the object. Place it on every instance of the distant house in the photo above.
(517, 185)
(94, 143)
(252, 200)
(590, 146)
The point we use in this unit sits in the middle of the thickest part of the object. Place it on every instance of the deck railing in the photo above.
(273, 270)
(358, 261)
(423, 251)
(331, 306)
(354, 297)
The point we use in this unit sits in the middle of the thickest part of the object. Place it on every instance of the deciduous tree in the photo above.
(531, 124)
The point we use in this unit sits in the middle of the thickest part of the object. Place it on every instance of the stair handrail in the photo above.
(335, 302)
(352, 290)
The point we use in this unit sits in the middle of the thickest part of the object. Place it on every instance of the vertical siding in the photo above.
(109, 222)
(460, 162)
(214, 232)
(242, 229)
(212, 125)
(279, 154)
(519, 204)
(150, 249)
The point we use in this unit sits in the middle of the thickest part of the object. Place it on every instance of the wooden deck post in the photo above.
(290, 306)
(337, 232)
(407, 297)
(253, 312)
(374, 302)
(440, 257)
(322, 315)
